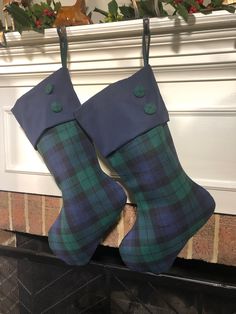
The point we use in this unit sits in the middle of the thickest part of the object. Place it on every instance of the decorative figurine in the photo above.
(73, 15)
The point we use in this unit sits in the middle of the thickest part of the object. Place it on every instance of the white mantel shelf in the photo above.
(161, 26)
(195, 67)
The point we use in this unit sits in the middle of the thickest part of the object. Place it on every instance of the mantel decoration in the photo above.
(27, 15)
(39, 16)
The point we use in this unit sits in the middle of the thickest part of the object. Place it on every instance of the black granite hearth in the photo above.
(33, 281)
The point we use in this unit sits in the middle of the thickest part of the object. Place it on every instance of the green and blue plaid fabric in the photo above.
(92, 202)
(171, 207)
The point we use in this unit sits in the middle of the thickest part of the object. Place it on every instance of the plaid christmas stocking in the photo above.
(92, 202)
(130, 130)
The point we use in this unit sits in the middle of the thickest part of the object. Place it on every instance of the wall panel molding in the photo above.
(19, 155)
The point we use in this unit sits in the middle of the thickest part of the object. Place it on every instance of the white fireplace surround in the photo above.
(195, 67)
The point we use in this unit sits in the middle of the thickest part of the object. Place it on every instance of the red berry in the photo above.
(192, 10)
(200, 1)
(38, 23)
(48, 12)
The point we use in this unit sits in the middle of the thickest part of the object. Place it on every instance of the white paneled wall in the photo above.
(195, 67)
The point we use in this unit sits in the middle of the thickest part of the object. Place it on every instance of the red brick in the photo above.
(183, 253)
(52, 209)
(53, 202)
(18, 213)
(35, 214)
(129, 217)
(7, 238)
(111, 237)
(4, 211)
(203, 241)
(122, 227)
(227, 240)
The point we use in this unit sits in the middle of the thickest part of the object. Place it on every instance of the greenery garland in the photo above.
(42, 15)
(37, 17)
(161, 8)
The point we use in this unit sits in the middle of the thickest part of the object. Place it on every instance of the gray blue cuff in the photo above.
(49, 103)
(122, 111)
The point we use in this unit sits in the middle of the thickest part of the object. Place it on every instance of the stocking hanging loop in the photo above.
(63, 45)
(146, 40)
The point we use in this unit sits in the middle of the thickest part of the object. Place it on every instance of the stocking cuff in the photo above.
(122, 111)
(49, 103)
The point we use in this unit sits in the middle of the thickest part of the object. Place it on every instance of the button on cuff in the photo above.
(150, 108)
(56, 107)
(139, 91)
(49, 88)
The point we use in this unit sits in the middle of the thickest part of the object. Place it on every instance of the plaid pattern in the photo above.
(171, 207)
(92, 201)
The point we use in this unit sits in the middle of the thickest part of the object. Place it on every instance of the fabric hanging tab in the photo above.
(146, 40)
(63, 45)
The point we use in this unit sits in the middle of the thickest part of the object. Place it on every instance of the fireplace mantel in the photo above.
(195, 67)
(214, 23)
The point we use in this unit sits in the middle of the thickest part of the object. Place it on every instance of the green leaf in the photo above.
(169, 1)
(20, 17)
(228, 8)
(182, 11)
(127, 12)
(216, 3)
(113, 7)
(206, 11)
(101, 12)
(146, 8)
(57, 6)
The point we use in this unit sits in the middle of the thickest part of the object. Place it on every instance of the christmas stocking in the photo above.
(130, 130)
(92, 202)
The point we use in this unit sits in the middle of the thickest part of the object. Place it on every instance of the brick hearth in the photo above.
(30, 213)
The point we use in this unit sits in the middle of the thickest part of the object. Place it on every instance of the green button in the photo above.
(49, 88)
(56, 107)
(139, 91)
(150, 108)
